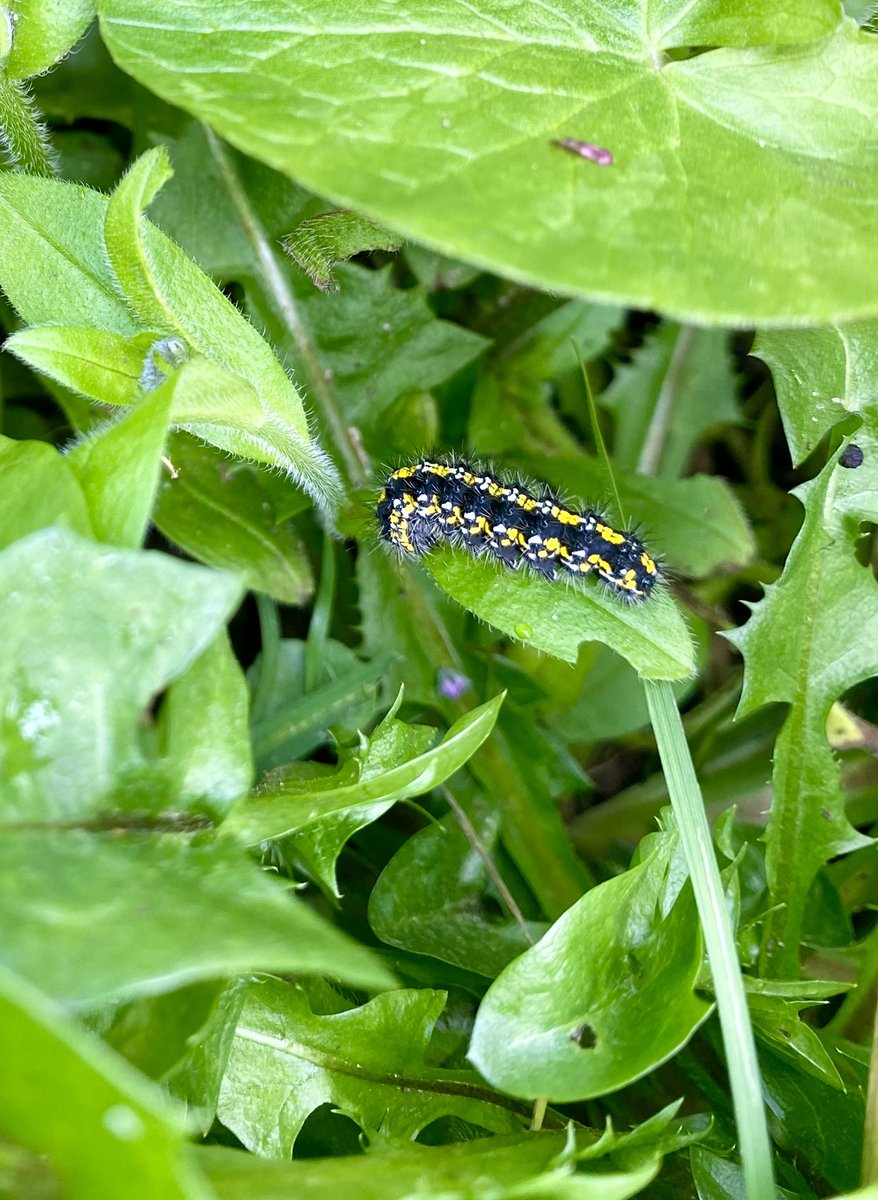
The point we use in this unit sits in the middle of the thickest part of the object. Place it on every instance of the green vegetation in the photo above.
(324, 874)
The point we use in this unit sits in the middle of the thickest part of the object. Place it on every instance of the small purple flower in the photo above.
(451, 685)
(595, 154)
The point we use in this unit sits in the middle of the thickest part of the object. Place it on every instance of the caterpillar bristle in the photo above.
(517, 524)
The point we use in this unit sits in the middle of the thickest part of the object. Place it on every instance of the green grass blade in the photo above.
(734, 1016)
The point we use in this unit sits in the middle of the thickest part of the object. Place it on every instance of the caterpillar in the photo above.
(428, 502)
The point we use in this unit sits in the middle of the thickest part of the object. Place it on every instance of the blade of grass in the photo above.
(318, 630)
(869, 1172)
(266, 675)
(737, 1032)
(600, 444)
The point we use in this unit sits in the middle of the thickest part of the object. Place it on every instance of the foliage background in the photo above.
(271, 925)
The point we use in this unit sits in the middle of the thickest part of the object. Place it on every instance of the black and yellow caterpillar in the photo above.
(516, 524)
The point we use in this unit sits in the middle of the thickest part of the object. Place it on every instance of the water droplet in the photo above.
(524, 632)
(124, 1123)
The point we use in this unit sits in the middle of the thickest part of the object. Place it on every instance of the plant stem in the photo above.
(284, 302)
(869, 1173)
(22, 135)
(737, 1032)
(657, 433)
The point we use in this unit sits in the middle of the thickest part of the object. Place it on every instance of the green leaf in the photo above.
(45, 30)
(118, 468)
(153, 1033)
(777, 1020)
(345, 698)
(144, 914)
(368, 1063)
(37, 488)
(169, 292)
(531, 1166)
(203, 731)
(198, 1077)
(725, 23)
(122, 1128)
(391, 768)
(380, 342)
(511, 406)
(98, 363)
(823, 1124)
(402, 607)
(556, 619)
(566, 1019)
(467, 929)
(678, 387)
(660, 227)
(92, 634)
(321, 242)
(820, 375)
(813, 636)
(233, 392)
(52, 230)
(224, 513)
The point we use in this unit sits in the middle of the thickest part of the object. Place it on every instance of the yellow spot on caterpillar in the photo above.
(647, 563)
(597, 561)
(565, 517)
(404, 473)
(610, 535)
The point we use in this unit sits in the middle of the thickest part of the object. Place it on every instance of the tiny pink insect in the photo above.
(595, 154)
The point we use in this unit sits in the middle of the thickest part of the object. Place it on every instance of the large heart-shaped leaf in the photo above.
(442, 121)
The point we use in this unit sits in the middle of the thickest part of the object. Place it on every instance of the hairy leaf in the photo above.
(118, 466)
(321, 242)
(38, 489)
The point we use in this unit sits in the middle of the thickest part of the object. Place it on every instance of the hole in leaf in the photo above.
(450, 1129)
(584, 1036)
(866, 546)
(328, 1133)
